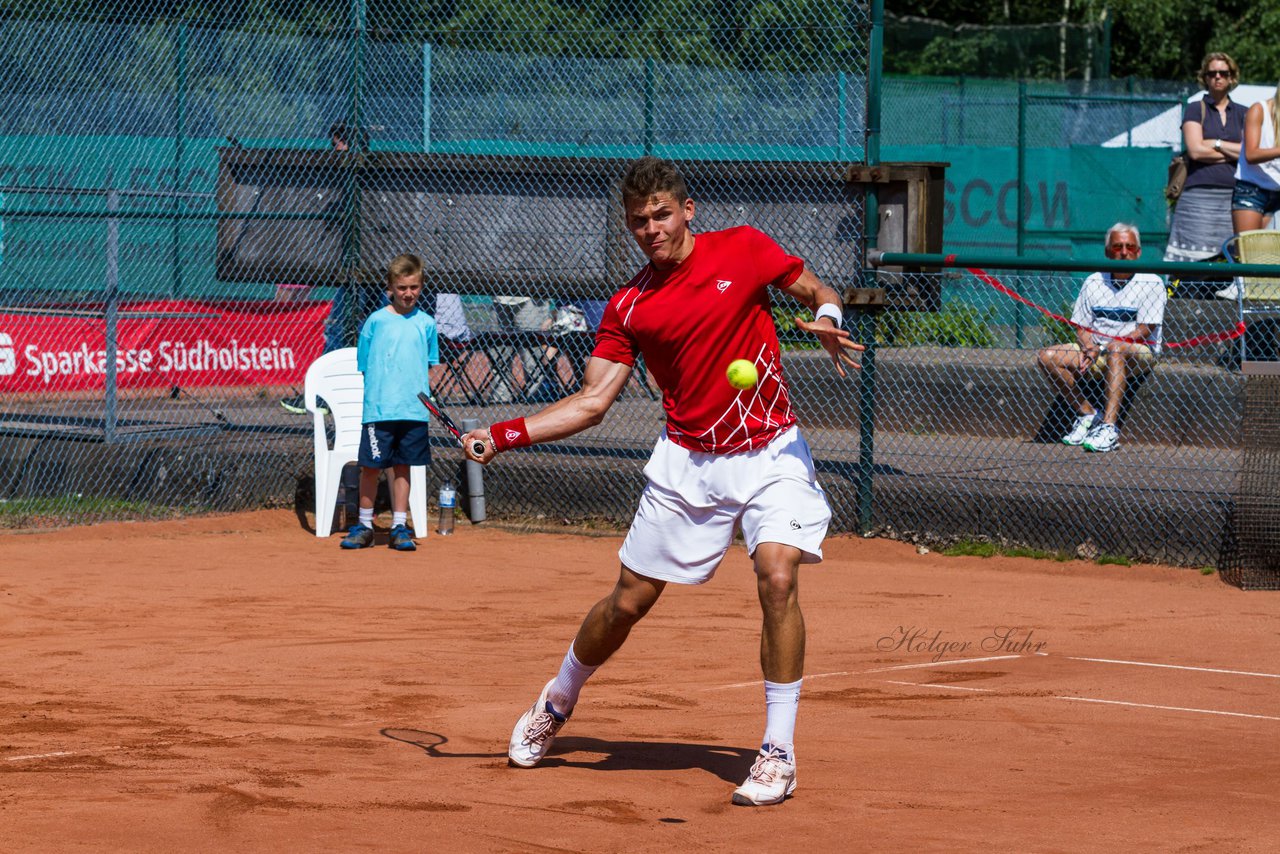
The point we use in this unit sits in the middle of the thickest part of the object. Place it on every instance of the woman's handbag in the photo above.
(1178, 169)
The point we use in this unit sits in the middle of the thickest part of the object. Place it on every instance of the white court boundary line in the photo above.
(939, 685)
(1170, 708)
(1172, 666)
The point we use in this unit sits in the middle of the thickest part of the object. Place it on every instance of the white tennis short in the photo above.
(694, 502)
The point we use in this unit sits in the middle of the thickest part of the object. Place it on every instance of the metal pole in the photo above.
(426, 97)
(648, 105)
(111, 316)
(353, 162)
(866, 317)
(842, 114)
(1020, 189)
(475, 480)
(179, 148)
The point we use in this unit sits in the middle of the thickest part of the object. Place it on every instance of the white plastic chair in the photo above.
(333, 377)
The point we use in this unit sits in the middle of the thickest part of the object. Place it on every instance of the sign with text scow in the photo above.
(160, 343)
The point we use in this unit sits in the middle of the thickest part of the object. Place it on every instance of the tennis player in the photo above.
(727, 458)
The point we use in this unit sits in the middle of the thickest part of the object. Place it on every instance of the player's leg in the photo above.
(360, 535)
(602, 633)
(784, 524)
(411, 446)
(678, 535)
(376, 442)
(782, 634)
(400, 537)
(1123, 361)
(1117, 376)
(1063, 364)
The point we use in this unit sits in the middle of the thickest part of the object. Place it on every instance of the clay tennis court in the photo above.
(234, 683)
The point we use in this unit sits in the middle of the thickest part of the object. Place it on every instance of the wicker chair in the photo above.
(1254, 247)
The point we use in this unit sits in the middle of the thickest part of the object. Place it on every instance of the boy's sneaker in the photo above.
(401, 539)
(534, 732)
(1102, 438)
(1080, 430)
(772, 778)
(358, 537)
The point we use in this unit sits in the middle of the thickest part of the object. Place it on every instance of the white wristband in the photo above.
(829, 310)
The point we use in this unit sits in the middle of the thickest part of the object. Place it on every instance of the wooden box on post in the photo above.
(910, 200)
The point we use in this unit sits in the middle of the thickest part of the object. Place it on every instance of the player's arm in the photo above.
(1253, 150)
(812, 292)
(602, 382)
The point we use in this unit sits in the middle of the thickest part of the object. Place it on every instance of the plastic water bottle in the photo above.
(448, 499)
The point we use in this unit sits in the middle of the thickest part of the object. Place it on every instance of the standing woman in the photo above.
(1257, 193)
(1212, 131)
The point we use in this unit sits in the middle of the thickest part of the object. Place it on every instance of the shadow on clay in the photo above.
(727, 763)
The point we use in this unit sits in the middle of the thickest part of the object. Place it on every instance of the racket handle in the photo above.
(477, 448)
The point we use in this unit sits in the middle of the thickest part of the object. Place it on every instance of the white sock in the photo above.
(563, 694)
(781, 701)
(366, 517)
(399, 518)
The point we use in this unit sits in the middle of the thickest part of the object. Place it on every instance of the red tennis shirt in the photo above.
(690, 322)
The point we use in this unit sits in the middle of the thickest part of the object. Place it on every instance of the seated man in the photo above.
(1117, 319)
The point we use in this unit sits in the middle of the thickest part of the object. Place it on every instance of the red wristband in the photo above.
(509, 434)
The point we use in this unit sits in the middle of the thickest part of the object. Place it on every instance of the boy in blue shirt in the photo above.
(398, 344)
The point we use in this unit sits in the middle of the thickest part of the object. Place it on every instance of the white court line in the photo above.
(809, 676)
(927, 685)
(1169, 708)
(1173, 666)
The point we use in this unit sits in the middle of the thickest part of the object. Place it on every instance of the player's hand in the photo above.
(835, 341)
(479, 436)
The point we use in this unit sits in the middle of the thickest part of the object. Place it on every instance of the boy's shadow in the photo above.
(727, 763)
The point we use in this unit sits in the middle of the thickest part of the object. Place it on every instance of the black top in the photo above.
(1232, 130)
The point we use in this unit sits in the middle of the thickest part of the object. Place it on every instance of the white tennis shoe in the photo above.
(1102, 438)
(772, 778)
(1080, 430)
(534, 732)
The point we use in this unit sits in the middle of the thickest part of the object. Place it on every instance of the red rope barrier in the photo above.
(1197, 341)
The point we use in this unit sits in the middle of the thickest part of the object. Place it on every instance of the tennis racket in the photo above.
(477, 447)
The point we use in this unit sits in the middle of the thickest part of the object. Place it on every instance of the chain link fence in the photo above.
(196, 207)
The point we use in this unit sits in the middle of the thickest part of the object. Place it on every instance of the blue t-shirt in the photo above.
(394, 353)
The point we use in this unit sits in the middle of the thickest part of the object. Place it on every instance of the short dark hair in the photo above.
(651, 175)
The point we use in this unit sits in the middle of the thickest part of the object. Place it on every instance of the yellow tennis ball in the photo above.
(742, 374)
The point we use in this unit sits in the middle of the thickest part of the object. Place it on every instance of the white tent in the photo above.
(1165, 130)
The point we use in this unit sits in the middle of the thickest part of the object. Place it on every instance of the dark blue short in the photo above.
(1250, 197)
(394, 443)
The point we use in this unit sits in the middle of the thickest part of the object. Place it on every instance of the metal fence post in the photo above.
(111, 316)
(179, 151)
(866, 317)
(1020, 189)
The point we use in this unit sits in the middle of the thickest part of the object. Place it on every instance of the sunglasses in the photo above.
(1217, 73)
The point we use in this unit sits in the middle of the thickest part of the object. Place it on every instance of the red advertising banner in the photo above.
(160, 343)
